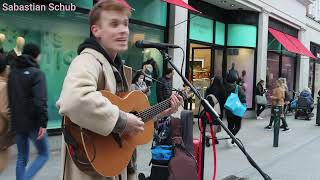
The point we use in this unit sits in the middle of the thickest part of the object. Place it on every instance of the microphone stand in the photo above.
(213, 113)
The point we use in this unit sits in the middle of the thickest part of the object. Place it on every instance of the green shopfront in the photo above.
(59, 34)
(217, 39)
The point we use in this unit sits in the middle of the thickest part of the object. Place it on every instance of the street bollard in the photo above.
(318, 112)
(277, 111)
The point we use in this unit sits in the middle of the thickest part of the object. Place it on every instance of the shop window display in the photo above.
(272, 71)
(241, 60)
(135, 57)
(288, 71)
(55, 34)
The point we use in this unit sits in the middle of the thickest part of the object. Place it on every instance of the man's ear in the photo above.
(95, 30)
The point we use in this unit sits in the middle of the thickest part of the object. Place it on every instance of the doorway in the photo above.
(200, 71)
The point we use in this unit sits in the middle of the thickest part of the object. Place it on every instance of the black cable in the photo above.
(170, 27)
(182, 59)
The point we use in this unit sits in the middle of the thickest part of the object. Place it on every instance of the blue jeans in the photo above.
(22, 140)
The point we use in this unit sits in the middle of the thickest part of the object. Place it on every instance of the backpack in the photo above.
(161, 151)
(182, 165)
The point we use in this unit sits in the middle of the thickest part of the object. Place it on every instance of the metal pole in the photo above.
(318, 112)
(277, 111)
(213, 113)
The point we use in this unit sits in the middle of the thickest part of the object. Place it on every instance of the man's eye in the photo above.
(114, 24)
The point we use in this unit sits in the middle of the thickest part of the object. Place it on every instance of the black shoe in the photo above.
(286, 129)
(268, 127)
(282, 127)
(216, 141)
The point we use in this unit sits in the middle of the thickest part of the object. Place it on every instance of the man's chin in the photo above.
(121, 49)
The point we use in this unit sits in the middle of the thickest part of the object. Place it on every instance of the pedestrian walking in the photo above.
(261, 99)
(28, 105)
(278, 99)
(234, 122)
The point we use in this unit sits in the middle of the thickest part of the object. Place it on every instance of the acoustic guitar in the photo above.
(109, 155)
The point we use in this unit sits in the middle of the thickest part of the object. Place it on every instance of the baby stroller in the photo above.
(305, 105)
(292, 105)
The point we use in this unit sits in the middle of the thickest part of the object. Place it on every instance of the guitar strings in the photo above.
(154, 110)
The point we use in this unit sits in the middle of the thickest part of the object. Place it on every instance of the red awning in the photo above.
(291, 43)
(181, 4)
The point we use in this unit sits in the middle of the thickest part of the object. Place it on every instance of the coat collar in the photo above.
(99, 57)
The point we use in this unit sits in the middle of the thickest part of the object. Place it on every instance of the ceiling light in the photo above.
(232, 5)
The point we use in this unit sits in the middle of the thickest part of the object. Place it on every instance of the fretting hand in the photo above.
(176, 101)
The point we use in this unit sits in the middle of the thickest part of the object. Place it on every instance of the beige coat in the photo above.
(85, 106)
(4, 109)
(4, 119)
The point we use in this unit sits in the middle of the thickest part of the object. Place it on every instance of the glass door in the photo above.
(200, 71)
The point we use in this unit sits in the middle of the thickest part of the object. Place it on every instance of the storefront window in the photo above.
(218, 59)
(288, 71)
(201, 29)
(273, 44)
(55, 33)
(220, 33)
(242, 35)
(150, 11)
(243, 58)
(311, 71)
(272, 71)
(317, 80)
(134, 57)
(200, 70)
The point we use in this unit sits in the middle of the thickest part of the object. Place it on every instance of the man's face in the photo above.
(112, 31)
(170, 75)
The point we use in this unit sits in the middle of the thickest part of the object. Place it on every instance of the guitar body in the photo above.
(102, 155)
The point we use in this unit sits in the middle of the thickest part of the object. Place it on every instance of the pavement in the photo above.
(296, 158)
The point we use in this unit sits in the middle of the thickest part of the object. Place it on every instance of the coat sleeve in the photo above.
(80, 100)
(242, 95)
(39, 93)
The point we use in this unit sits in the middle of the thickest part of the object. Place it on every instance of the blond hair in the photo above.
(279, 83)
(106, 5)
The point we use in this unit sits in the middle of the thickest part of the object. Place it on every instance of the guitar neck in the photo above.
(154, 110)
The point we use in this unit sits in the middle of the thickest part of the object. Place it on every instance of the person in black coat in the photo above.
(28, 104)
(216, 88)
(260, 91)
(164, 86)
(234, 122)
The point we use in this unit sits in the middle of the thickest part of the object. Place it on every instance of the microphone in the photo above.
(146, 44)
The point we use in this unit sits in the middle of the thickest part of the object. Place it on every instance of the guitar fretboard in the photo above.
(152, 111)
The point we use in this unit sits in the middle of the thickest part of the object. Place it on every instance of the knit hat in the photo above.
(31, 50)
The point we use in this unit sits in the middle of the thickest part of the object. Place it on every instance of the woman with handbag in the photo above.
(260, 99)
(234, 122)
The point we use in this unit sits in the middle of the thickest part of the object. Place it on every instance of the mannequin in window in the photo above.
(2, 39)
(233, 72)
(17, 51)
